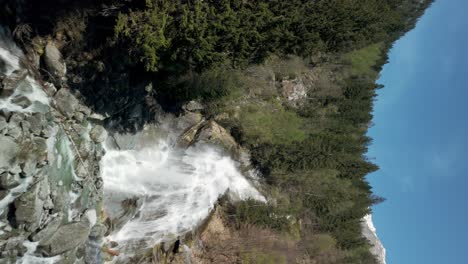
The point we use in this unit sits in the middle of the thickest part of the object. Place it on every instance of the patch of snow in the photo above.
(370, 232)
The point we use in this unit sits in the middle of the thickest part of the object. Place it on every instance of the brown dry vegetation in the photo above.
(223, 240)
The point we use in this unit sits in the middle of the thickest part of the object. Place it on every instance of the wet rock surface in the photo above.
(98, 134)
(9, 151)
(49, 171)
(66, 102)
(65, 238)
(9, 83)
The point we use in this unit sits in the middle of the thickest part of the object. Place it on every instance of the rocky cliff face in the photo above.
(50, 185)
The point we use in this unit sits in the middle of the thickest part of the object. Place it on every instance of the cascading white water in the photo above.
(176, 189)
(11, 55)
(11, 60)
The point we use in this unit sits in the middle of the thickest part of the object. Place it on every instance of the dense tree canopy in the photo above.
(196, 34)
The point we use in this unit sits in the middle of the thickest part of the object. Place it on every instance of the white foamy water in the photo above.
(176, 189)
(11, 59)
(28, 88)
(10, 54)
(29, 257)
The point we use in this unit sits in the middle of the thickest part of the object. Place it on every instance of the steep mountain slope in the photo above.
(126, 123)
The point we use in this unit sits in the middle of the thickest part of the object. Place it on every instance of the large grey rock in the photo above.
(48, 131)
(9, 151)
(28, 168)
(54, 62)
(38, 151)
(29, 208)
(16, 119)
(66, 102)
(3, 123)
(11, 82)
(82, 169)
(8, 180)
(188, 137)
(67, 237)
(37, 122)
(86, 148)
(48, 231)
(213, 133)
(210, 132)
(79, 117)
(98, 134)
(12, 247)
(22, 101)
(26, 127)
(98, 230)
(14, 131)
(14, 126)
(15, 169)
(84, 109)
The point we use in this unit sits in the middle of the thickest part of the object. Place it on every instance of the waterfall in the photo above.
(24, 87)
(167, 191)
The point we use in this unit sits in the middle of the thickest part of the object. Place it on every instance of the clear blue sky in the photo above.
(421, 141)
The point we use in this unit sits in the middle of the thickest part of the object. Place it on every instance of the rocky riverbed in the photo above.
(50, 186)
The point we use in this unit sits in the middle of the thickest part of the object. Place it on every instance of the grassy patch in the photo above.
(325, 242)
(270, 123)
(362, 61)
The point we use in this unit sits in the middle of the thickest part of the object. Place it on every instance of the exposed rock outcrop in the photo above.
(66, 102)
(49, 169)
(67, 237)
(9, 83)
(210, 132)
(294, 91)
(54, 62)
(98, 134)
